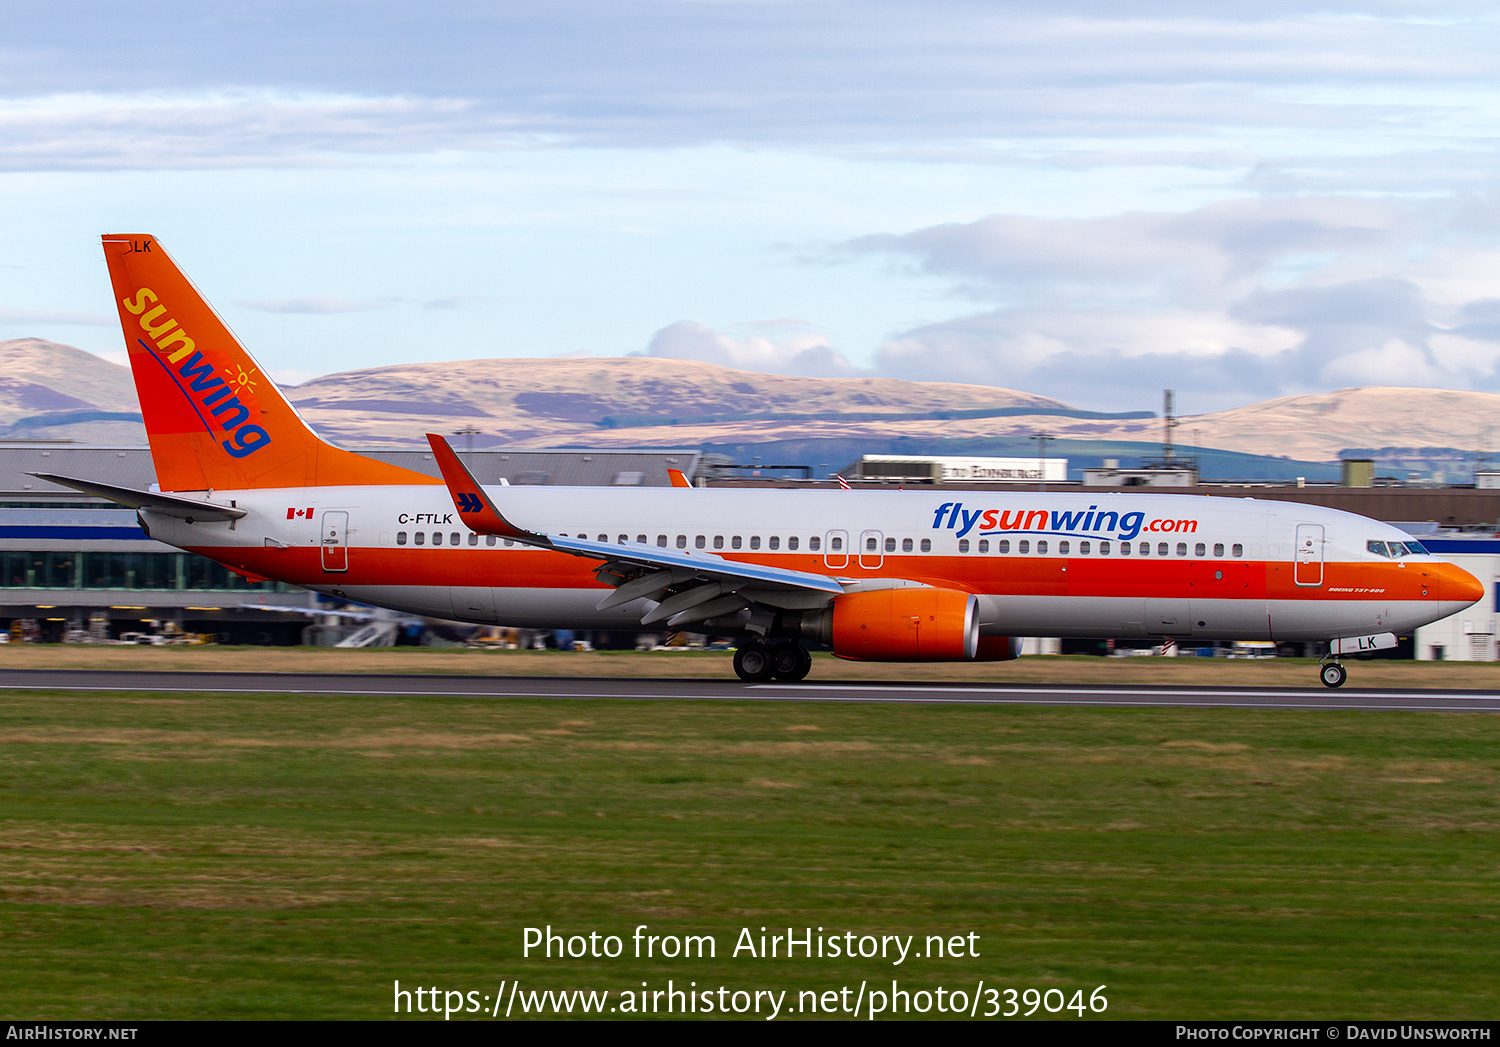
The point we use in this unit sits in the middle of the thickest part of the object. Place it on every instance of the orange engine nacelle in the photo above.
(905, 625)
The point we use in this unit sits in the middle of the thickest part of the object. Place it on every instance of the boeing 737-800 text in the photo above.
(892, 576)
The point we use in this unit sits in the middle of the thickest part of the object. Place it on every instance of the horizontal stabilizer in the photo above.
(189, 509)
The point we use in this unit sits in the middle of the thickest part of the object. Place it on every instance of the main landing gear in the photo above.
(1332, 674)
(757, 662)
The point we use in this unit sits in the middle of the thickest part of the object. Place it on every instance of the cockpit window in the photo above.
(1396, 550)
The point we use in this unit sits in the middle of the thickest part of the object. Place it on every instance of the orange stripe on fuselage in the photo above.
(992, 575)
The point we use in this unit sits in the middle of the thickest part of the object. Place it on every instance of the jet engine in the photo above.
(899, 625)
(998, 648)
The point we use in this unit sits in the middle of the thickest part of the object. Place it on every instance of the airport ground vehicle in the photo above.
(894, 576)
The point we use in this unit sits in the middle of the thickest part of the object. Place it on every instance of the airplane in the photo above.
(899, 576)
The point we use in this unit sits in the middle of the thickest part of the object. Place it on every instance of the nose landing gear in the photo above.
(757, 662)
(1332, 674)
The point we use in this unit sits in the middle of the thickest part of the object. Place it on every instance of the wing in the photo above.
(687, 586)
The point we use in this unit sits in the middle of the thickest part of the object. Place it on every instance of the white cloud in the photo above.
(777, 347)
(1227, 303)
(49, 317)
(289, 376)
(231, 128)
(313, 305)
(283, 82)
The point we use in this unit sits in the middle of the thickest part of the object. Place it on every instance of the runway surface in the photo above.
(732, 690)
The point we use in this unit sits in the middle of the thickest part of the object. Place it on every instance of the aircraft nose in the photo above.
(1455, 585)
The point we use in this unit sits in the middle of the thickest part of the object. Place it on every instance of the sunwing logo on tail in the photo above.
(468, 502)
(229, 400)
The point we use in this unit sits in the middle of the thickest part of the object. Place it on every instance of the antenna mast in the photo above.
(1168, 423)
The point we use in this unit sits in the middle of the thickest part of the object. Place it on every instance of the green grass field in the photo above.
(274, 856)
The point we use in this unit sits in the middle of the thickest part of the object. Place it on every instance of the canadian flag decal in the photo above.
(300, 514)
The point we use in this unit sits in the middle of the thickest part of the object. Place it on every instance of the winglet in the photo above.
(679, 478)
(474, 506)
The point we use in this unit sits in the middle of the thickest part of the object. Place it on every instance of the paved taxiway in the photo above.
(721, 690)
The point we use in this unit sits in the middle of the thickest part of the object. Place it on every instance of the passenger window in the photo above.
(1145, 549)
(718, 541)
(624, 538)
(1062, 548)
(1161, 550)
(400, 537)
(1004, 546)
(1182, 548)
(1124, 548)
(682, 541)
(890, 545)
(1041, 548)
(1103, 548)
(836, 544)
(984, 545)
(1218, 548)
(927, 545)
(1022, 547)
(661, 541)
(437, 537)
(700, 542)
(734, 543)
(508, 542)
(815, 543)
(870, 545)
(474, 538)
(1083, 548)
(773, 542)
(791, 543)
(1237, 549)
(906, 545)
(963, 545)
(420, 538)
(641, 539)
(1200, 550)
(489, 539)
(755, 541)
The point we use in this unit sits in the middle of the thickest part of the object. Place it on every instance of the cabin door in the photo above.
(1308, 557)
(335, 542)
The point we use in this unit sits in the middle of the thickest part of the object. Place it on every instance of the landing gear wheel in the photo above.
(1332, 674)
(752, 662)
(790, 662)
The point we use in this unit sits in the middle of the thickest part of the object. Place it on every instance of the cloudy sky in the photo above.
(1087, 200)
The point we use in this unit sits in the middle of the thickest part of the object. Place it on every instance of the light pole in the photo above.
(467, 432)
(1041, 459)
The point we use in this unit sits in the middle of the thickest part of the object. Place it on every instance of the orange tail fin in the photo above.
(214, 418)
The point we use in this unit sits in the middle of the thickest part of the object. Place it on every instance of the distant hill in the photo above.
(54, 390)
(525, 401)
